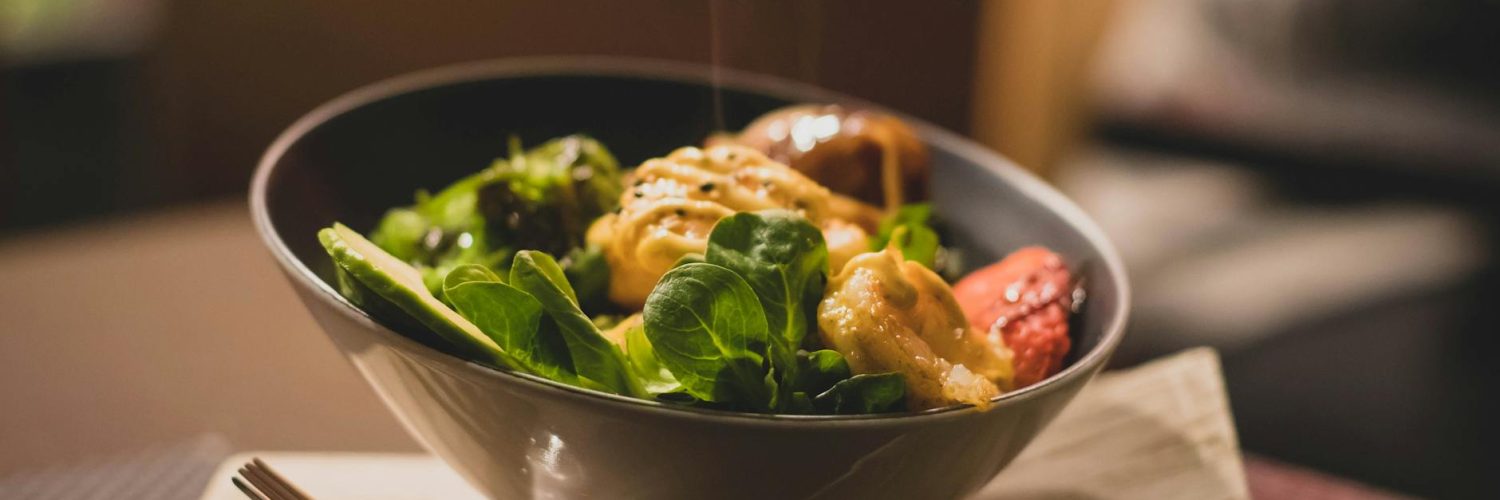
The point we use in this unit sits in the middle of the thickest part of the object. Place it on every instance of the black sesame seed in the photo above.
(640, 194)
(706, 187)
(681, 213)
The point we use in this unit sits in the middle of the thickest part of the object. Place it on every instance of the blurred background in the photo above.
(1311, 186)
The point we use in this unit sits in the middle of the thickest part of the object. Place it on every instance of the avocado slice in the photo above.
(401, 285)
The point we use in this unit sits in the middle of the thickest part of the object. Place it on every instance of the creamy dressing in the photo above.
(886, 314)
(672, 203)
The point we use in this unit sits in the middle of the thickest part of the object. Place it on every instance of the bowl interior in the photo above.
(353, 161)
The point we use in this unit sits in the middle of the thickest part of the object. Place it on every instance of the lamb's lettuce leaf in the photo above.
(597, 362)
(512, 318)
(709, 330)
(819, 370)
(910, 230)
(784, 259)
(655, 378)
(865, 393)
(728, 329)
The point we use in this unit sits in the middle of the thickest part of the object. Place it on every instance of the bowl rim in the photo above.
(696, 74)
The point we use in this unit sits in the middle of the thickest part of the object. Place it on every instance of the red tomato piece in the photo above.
(1026, 299)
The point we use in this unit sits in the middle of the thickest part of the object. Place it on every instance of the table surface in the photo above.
(149, 329)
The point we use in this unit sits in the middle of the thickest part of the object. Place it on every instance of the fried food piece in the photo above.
(672, 203)
(887, 314)
(872, 157)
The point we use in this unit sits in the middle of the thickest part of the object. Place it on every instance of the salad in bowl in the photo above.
(830, 301)
(791, 268)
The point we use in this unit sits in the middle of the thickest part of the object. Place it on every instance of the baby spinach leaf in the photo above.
(469, 273)
(917, 243)
(783, 258)
(463, 274)
(512, 318)
(909, 214)
(655, 378)
(597, 362)
(800, 404)
(541, 271)
(688, 258)
(606, 321)
(709, 330)
(777, 390)
(866, 393)
(910, 229)
(818, 371)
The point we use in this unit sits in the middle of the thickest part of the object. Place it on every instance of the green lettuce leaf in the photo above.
(541, 199)
(783, 258)
(910, 229)
(709, 330)
(512, 318)
(819, 370)
(655, 378)
(866, 393)
(597, 362)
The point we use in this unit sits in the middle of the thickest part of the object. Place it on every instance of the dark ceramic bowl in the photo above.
(518, 436)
